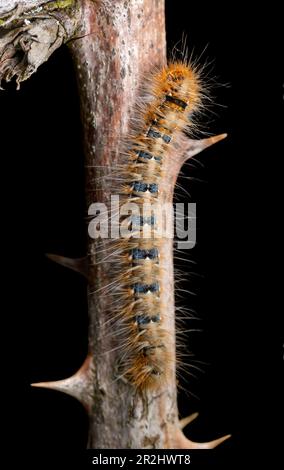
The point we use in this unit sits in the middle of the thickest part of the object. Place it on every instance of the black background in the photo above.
(236, 187)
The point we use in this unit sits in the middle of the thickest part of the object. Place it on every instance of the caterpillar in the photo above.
(171, 97)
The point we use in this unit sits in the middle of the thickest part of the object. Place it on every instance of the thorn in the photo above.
(185, 421)
(206, 445)
(79, 385)
(194, 147)
(180, 441)
(80, 265)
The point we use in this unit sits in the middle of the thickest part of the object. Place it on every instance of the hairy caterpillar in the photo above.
(172, 95)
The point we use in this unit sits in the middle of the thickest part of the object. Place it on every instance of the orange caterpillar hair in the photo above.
(171, 97)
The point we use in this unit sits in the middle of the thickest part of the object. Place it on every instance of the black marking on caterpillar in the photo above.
(172, 99)
(158, 135)
(145, 288)
(139, 254)
(148, 156)
(143, 321)
(139, 220)
(139, 186)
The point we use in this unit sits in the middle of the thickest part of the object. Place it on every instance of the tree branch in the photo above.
(121, 42)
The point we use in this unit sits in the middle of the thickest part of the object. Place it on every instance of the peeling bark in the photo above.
(8, 7)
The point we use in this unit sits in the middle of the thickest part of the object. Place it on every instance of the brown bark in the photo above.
(127, 39)
(121, 42)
